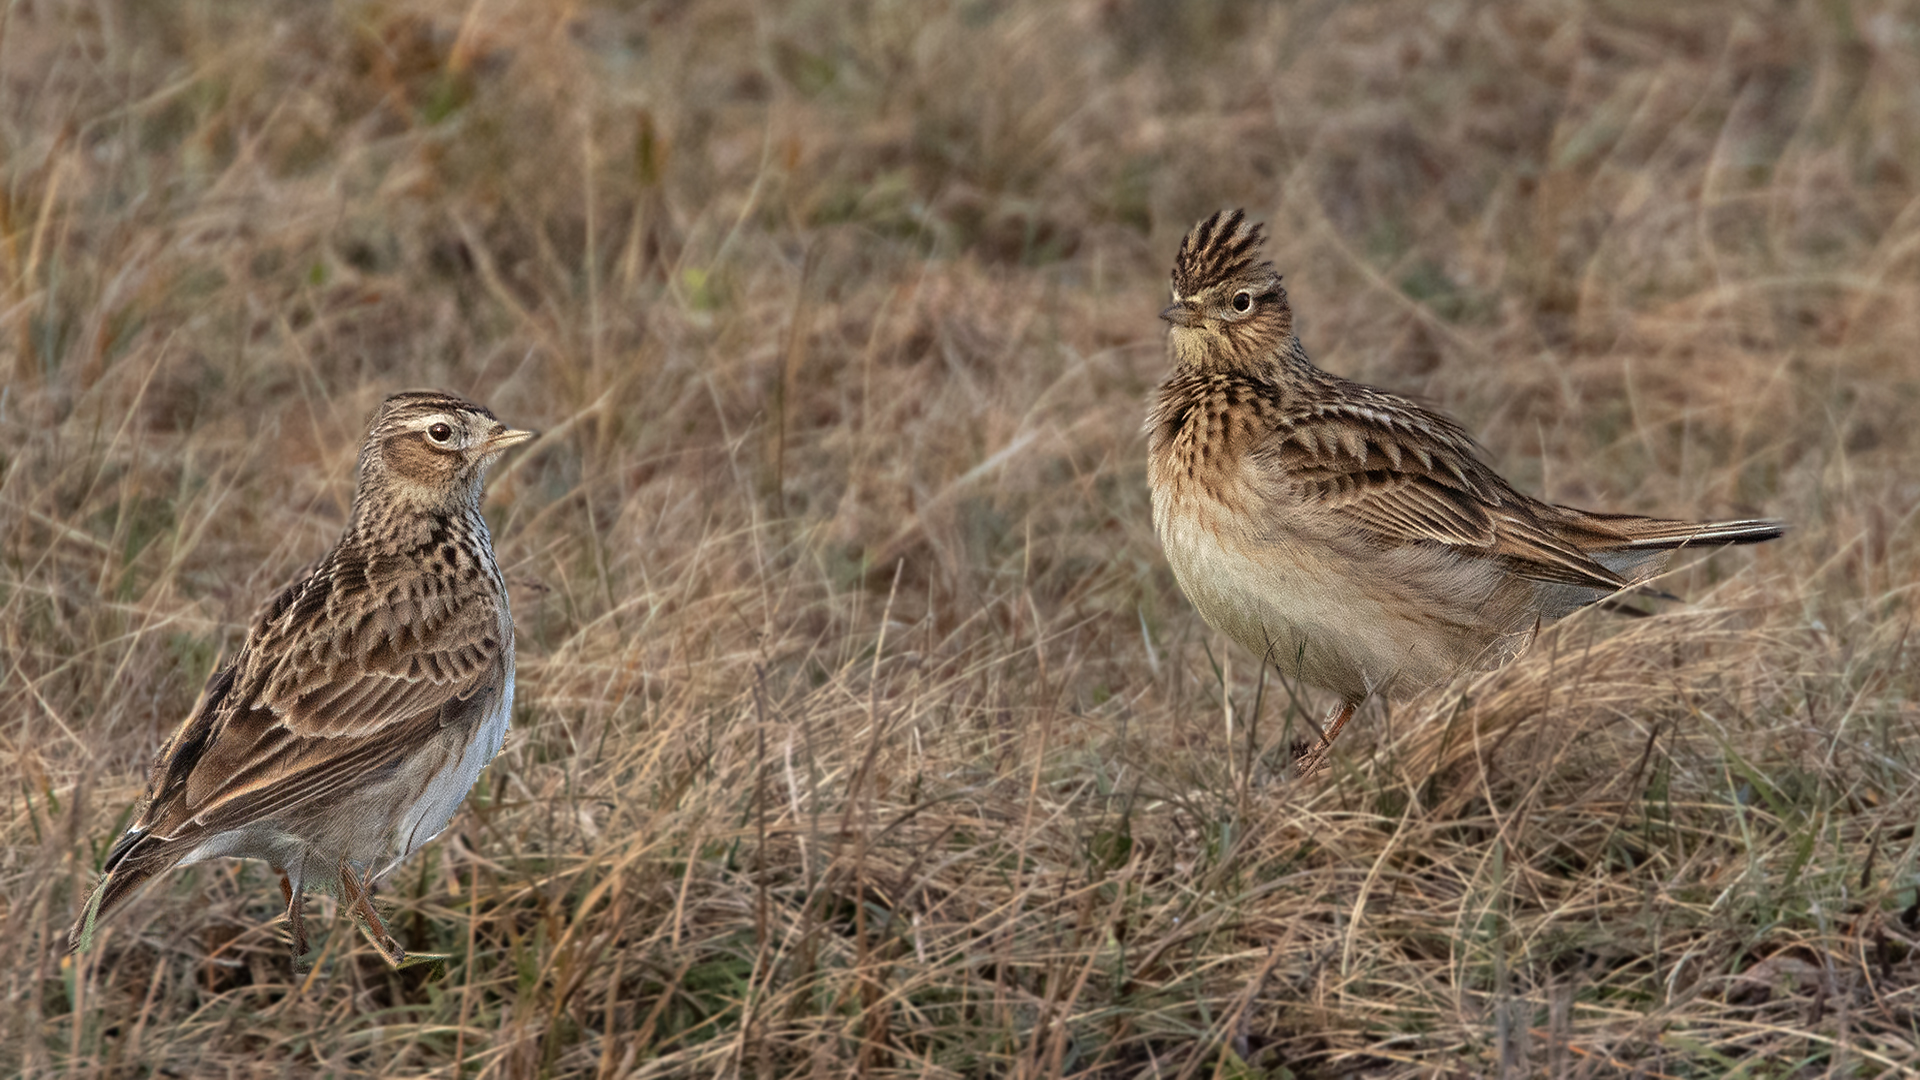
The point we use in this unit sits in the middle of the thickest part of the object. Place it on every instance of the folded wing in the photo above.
(328, 688)
(1403, 475)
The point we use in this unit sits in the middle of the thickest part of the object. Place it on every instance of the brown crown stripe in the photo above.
(1220, 247)
(433, 401)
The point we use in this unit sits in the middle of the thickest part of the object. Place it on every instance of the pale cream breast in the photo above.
(1325, 608)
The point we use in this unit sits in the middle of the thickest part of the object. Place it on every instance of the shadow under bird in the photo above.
(368, 696)
(1351, 537)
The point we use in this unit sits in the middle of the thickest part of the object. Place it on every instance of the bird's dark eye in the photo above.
(1242, 300)
(440, 433)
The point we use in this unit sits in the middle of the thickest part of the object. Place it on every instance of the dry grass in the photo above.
(862, 728)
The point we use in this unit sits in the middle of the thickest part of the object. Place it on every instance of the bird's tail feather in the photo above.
(1636, 548)
(132, 860)
(1628, 532)
(1691, 533)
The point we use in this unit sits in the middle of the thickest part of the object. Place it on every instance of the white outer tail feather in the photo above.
(1749, 531)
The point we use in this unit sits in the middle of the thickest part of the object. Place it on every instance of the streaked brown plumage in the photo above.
(1353, 537)
(367, 697)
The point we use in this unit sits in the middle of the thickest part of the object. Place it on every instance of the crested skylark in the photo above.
(1351, 537)
(367, 697)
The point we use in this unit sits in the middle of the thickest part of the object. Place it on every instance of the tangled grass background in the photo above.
(862, 728)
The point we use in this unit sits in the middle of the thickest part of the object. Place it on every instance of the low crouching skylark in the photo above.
(1349, 536)
(367, 697)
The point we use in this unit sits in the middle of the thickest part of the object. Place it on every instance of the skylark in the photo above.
(367, 697)
(1349, 536)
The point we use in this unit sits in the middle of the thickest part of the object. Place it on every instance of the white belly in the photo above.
(448, 788)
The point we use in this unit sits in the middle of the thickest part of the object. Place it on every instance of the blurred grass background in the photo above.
(862, 729)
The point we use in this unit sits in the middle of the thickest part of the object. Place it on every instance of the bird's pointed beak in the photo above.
(1181, 314)
(504, 436)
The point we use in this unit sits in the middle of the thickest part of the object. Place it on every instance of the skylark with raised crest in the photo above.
(366, 699)
(1351, 537)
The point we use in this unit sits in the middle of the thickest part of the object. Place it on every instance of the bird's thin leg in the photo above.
(360, 906)
(1315, 760)
(296, 913)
